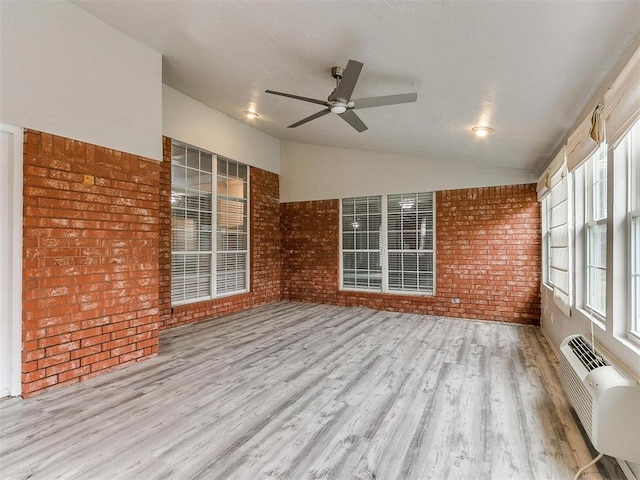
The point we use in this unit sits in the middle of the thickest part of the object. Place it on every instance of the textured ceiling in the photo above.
(527, 69)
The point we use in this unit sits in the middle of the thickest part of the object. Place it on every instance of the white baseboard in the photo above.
(555, 350)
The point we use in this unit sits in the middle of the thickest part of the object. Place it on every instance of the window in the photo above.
(558, 203)
(634, 295)
(596, 231)
(400, 260)
(204, 266)
(410, 242)
(231, 227)
(629, 150)
(362, 243)
(546, 241)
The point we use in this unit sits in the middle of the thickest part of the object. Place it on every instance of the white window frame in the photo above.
(546, 241)
(410, 202)
(216, 233)
(630, 146)
(560, 252)
(595, 221)
(357, 220)
(384, 250)
(634, 276)
(212, 254)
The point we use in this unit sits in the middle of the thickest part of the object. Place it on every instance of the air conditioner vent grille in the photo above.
(583, 351)
(578, 395)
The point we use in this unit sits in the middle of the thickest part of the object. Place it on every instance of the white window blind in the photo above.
(559, 248)
(362, 243)
(580, 146)
(191, 223)
(387, 243)
(231, 227)
(622, 101)
(410, 242)
(204, 266)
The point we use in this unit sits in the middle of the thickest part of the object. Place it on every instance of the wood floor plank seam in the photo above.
(303, 391)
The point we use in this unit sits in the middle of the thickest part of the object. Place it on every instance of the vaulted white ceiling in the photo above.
(527, 69)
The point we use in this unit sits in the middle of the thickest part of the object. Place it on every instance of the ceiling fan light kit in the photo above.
(340, 103)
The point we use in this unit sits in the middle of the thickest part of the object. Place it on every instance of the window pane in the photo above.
(178, 176)
(186, 281)
(230, 273)
(231, 227)
(597, 241)
(410, 240)
(395, 240)
(178, 154)
(628, 152)
(348, 241)
(597, 268)
(633, 154)
(595, 232)
(206, 161)
(634, 167)
(597, 291)
(635, 275)
(599, 165)
(361, 243)
(193, 158)
(192, 224)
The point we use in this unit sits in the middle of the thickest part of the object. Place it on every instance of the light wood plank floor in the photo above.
(304, 391)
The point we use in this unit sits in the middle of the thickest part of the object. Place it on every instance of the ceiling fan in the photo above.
(340, 102)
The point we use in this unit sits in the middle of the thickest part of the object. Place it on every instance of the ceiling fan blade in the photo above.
(349, 80)
(321, 113)
(385, 100)
(298, 97)
(354, 120)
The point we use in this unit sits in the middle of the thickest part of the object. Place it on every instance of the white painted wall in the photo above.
(11, 139)
(192, 122)
(65, 72)
(315, 172)
(557, 326)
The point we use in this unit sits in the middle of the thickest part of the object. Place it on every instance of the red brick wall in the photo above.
(310, 251)
(487, 255)
(90, 271)
(97, 258)
(264, 257)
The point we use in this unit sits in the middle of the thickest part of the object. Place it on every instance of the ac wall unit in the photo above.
(607, 402)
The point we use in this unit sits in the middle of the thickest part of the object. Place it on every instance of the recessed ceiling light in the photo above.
(251, 115)
(482, 131)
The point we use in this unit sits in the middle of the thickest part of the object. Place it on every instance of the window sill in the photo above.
(189, 303)
(595, 318)
(391, 293)
(631, 342)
